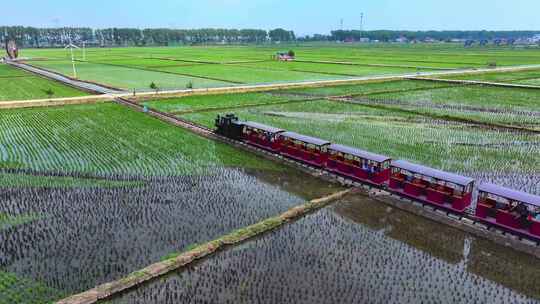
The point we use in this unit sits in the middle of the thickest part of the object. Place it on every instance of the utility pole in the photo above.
(362, 22)
(71, 46)
(84, 50)
(341, 24)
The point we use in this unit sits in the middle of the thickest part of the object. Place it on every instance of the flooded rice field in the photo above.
(357, 251)
(77, 237)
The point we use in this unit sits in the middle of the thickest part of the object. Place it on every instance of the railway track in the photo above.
(466, 219)
(424, 209)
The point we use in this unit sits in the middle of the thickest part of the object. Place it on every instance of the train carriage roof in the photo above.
(510, 194)
(438, 174)
(359, 153)
(266, 128)
(307, 139)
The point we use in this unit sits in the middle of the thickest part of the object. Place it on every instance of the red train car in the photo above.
(262, 136)
(359, 165)
(510, 209)
(304, 148)
(443, 189)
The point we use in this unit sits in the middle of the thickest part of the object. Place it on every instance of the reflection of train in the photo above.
(512, 210)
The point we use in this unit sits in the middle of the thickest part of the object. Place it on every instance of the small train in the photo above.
(514, 211)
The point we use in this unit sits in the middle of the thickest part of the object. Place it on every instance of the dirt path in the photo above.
(246, 88)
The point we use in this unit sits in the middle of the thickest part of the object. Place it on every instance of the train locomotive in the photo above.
(511, 210)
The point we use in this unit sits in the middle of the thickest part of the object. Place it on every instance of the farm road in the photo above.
(96, 88)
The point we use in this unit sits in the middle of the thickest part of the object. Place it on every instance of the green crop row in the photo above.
(438, 143)
(108, 139)
(14, 290)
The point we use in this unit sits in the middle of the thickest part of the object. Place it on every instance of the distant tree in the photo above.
(154, 87)
(291, 53)
(49, 92)
(189, 85)
(281, 35)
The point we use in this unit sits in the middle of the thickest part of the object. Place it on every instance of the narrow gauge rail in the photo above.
(492, 218)
(513, 211)
(234, 132)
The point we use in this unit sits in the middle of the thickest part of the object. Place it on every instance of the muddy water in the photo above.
(87, 236)
(358, 251)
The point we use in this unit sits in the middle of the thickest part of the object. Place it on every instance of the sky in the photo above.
(302, 16)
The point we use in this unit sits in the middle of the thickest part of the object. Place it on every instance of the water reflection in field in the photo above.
(358, 251)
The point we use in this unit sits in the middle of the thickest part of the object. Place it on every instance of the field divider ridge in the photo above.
(176, 262)
(473, 226)
(248, 105)
(256, 87)
(374, 65)
(162, 71)
(88, 86)
(54, 102)
(377, 105)
(476, 82)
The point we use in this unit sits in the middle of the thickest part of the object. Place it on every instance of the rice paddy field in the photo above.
(67, 226)
(19, 85)
(526, 77)
(489, 133)
(357, 251)
(216, 66)
(91, 193)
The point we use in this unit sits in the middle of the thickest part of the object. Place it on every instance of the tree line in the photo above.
(56, 37)
(385, 36)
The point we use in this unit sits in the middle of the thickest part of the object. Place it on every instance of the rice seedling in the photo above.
(90, 139)
(441, 56)
(326, 258)
(82, 200)
(14, 290)
(205, 102)
(472, 95)
(82, 237)
(24, 178)
(451, 146)
(524, 77)
(126, 77)
(20, 85)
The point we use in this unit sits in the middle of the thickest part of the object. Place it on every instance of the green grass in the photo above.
(109, 139)
(18, 85)
(16, 290)
(7, 71)
(8, 221)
